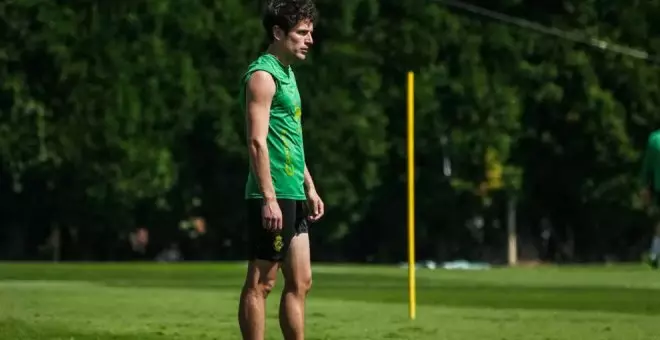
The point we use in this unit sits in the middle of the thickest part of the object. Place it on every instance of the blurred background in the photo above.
(121, 136)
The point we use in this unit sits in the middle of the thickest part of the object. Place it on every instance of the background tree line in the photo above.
(124, 114)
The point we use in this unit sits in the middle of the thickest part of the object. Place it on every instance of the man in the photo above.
(280, 193)
(651, 190)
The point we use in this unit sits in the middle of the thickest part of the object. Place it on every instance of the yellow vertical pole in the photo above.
(411, 195)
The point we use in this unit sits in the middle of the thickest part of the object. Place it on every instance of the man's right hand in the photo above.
(271, 215)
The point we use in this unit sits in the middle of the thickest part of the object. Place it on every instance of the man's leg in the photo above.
(259, 282)
(297, 282)
(262, 271)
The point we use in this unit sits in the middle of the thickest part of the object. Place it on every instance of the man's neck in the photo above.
(272, 49)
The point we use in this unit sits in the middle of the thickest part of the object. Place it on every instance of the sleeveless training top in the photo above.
(285, 140)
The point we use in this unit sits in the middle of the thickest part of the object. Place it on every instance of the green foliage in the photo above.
(112, 111)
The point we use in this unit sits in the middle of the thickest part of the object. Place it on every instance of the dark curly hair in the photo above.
(287, 14)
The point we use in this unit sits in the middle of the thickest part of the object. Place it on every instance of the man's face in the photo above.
(299, 39)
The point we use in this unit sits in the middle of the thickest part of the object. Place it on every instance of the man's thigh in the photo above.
(261, 273)
(273, 246)
(297, 264)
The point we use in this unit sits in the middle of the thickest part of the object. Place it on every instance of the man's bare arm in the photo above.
(309, 182)
(259, 95)
(314, 202)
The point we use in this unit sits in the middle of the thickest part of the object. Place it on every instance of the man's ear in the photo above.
(278, 33)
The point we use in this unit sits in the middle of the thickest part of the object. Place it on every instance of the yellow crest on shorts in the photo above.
(278, 243)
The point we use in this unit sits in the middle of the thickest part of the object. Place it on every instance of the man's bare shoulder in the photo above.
(261, 83)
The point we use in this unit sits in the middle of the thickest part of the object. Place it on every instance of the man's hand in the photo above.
(271, 215)
(315, 207)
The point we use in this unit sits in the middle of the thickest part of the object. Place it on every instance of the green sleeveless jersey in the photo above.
(285, 141)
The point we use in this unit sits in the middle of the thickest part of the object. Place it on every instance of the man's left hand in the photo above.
(315, 206)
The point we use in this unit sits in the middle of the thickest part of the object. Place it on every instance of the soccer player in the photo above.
(651, 190)
(281, 198)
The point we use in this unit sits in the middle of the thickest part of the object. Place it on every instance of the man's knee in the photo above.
(265, 287)
(261, 279)
(301, 285)
(260, 288)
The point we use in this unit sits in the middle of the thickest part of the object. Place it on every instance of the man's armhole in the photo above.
(249, 75)
(246, 87)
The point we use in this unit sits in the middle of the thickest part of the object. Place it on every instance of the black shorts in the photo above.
(270, 246)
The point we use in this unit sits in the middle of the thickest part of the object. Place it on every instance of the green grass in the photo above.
(198, 301)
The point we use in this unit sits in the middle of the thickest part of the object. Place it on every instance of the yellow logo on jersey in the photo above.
(298, 113)
(278, 243)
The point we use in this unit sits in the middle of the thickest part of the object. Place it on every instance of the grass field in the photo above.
(198, 301)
